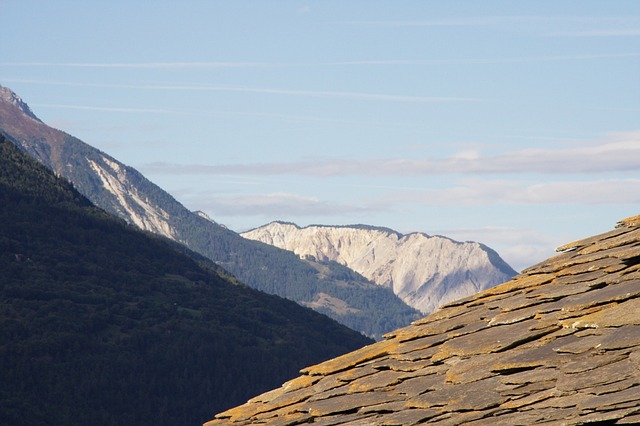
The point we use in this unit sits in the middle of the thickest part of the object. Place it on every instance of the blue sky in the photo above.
(512, 123)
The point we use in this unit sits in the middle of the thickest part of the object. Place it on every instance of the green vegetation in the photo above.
(103, 324)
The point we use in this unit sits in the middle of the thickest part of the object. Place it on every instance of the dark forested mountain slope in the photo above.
(103, 324)
(123, 191)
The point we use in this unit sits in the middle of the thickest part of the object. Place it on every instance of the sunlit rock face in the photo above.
(424, 271)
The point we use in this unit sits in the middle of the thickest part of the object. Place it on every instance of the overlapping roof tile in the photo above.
(560, 343)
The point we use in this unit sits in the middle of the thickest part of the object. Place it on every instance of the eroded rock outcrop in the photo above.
(424, 271)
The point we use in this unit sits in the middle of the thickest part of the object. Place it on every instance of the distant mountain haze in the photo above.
(329, 288)
(424, 271)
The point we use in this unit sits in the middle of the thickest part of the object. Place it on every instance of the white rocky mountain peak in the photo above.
(424, 271)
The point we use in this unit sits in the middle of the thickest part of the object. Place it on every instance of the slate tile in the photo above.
(531, 398)
(612, 315)
(596, 239)
(417, 385)
(488, 340)
(420, 357)
(630, 419)
(330, 393)
(421, 343)
(397, 364)
(355, 373)
(524, 282)
(353, 419)
(515, 302)
(406, 417)
(567, 400)
(352, 359)
(329, 383)
(451, 398)
(288, 420)
(432, 369)
(528, 389)
(609, 373)
(622, 239)
(444, 326)
(616, 386)
(474, 418)
(471, 369)
(382, 379)
(524, 358)
(611, 400)
(542, 374)
(289, 398)
(562, 287)
(623, 337)
(513, 316)
(385, 407)
(346, 403)
(611, 293)
(602, 417)
(590, 361)
(577, 345)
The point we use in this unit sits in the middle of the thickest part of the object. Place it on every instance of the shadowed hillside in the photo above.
(126, 193)
(103, 324)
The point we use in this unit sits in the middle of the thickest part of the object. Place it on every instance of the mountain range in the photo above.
(424, 271)
(102, 323)
(330, 287)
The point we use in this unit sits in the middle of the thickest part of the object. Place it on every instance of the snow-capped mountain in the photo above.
(424, 271)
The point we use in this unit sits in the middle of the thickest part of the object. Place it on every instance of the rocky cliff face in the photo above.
(424, 271)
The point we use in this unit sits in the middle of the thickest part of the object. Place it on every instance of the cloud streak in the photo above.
(485, 61)
(619, 155)
(325, 94)
(365, 62)
(113, 109)
(486, 192)
(277, 204)
(515, 21)
(140, 65)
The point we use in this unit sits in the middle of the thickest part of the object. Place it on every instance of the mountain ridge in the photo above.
(416, 266)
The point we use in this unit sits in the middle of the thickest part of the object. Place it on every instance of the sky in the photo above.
(511, 123)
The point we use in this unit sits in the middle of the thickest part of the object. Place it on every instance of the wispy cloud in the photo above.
(545, 26)
(483, 192)
(327, 94)
(613, 32)
(620, 154)
(139, 65)
(273, 205)
(538, 21)
(485, 61)
(356, 62)
(111, 109)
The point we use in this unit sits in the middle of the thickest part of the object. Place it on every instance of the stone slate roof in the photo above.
(559, 343)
